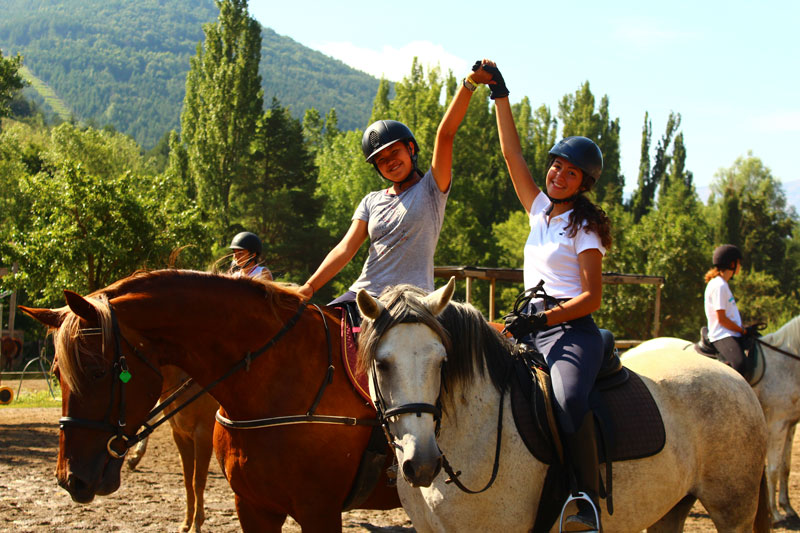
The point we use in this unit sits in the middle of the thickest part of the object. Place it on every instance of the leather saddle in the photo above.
(754, 365)
(627, 420)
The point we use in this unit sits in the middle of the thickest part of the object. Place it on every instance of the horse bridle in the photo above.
(384, 414)
(120, 365)
(119, 371)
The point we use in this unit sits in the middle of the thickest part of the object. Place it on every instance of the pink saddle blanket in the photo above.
(350, 358)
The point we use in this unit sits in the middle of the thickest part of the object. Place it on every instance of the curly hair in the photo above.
(592, 218)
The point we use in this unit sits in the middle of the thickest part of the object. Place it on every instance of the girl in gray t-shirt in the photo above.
(403, 221)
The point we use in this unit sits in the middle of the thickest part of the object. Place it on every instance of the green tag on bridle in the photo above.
(125, 376)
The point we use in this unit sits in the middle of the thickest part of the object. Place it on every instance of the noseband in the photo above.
(120, 372)
(120, 366)
(385, 413)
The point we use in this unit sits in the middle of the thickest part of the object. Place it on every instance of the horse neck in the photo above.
(471, 408)
(205, 336)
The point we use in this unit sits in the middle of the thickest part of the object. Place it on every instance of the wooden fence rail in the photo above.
(514, 275)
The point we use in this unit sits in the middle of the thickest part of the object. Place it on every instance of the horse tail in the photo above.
(763, 522)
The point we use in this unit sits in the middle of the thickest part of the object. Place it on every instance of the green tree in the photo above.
(278, 201)
(748, 191)
(651, 177)
(93, 213)
(223, 102)
(10, 81)
(578, 117)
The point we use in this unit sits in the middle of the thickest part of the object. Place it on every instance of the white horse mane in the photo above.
(788, 335)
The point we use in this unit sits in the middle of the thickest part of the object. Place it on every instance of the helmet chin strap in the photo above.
(562, 200)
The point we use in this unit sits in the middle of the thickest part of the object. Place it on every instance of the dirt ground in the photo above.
(151, 498)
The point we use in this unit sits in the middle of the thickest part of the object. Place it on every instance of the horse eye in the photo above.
(382, 366)
(99, 373)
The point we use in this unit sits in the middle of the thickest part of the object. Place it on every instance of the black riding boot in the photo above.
(582, 447)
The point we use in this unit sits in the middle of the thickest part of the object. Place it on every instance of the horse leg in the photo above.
(254, 519)
(673, 521)
(186, 450)
(203, 448)
(786, 467)
(319, 519)
(137, 454)
(776, 452)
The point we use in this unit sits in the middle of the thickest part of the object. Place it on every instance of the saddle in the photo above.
(753, 369)
(627, 420)
(377, 456)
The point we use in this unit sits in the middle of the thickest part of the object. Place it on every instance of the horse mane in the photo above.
(787, 335)
(71, 354)
(470, 342)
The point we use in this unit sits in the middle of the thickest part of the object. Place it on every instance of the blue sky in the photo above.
(731, 69)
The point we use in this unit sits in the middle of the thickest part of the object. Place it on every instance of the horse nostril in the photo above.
(75, 484)
(438, 467)
(408, 471)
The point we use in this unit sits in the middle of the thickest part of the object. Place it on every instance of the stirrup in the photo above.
(578, 496)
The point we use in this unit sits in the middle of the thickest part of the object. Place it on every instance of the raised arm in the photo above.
(442, 161)
(524, 185)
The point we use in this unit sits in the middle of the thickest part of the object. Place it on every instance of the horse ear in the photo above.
(81, 306)
(369, 306)
(49, 317)
(438, 300)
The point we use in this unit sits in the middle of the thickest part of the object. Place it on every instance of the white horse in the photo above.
(779, 394)
(421, 349)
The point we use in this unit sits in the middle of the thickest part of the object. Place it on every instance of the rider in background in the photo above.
(565, 248)
(403, 221)
(247, 249)
(725, 329)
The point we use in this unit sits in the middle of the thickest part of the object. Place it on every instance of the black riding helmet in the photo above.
(724, 256)
(584, 154)
(384, 133)
(247, 241)
(581, 152)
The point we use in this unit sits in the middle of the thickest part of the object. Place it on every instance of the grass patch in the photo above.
(40, 398)
(49, 95)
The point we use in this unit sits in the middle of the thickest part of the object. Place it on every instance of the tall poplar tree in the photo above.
(578, 116)
(223, 102)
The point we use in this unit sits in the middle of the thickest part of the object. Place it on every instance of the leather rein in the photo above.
(120, 369)
(779, 350)
(385, 413)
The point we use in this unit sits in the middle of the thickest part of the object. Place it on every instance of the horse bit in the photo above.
(384, 414)
(120, 369)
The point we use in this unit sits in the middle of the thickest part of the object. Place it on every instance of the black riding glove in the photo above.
(498, 88)
(752, 330)
(522, 324)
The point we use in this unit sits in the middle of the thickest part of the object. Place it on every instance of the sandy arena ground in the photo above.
(151, 499)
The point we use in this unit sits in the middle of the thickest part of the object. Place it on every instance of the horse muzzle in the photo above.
(421, 473)
(419, 464)
(83, 490)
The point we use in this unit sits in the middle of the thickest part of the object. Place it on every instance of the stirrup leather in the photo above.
(575, 497)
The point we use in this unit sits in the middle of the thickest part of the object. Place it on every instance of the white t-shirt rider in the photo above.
(552, 255)
(718, 296)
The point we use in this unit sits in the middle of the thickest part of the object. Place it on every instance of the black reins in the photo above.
(385, 413)
(120, 366)
(779, 350)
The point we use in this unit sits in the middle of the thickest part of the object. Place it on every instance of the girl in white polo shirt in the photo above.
(569, 236)
(725, 329)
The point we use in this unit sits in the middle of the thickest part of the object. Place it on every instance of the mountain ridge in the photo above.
(125, 63)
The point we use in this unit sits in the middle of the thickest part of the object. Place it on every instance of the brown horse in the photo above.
(193, 433)
(10, 350)
(266, 355)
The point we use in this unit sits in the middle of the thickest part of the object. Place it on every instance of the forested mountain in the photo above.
(124, 63)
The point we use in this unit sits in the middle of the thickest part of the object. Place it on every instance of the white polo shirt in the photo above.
(551, 255)
(718, 296)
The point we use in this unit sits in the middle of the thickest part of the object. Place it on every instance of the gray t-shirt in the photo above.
(403, 232)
